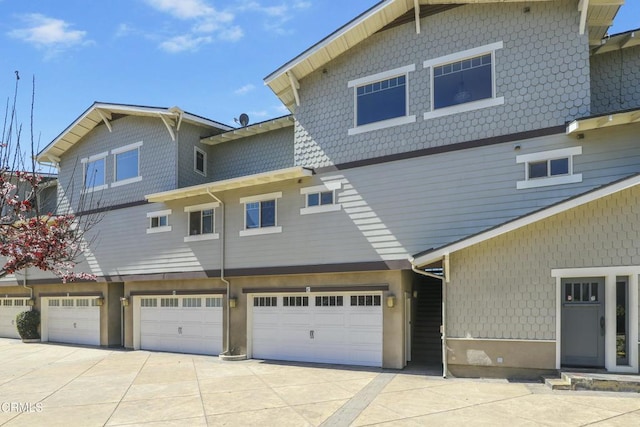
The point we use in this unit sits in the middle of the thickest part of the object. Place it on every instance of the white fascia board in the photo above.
(437, 254)
(329, 40)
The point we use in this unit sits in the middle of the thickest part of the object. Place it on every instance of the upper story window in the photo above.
(94, 172)
(546, 168)
(158, 221)
(463, 81)
(381, 100)
(127, 164)
(321, 198)
(260, 214)
(201, 222)
(200, 161)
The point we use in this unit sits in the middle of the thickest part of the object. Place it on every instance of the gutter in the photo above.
(225, 281)
(24, 285)
(445, 280)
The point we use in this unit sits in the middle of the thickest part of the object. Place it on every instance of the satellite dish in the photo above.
(244, 119)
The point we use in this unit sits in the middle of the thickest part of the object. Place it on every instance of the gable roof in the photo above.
(431, 256)
(250, 130)
(102, 112)
(598, 17)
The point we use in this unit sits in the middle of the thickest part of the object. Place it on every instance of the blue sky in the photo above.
(208, 57)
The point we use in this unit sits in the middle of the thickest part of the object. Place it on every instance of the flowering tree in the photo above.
(50, 241)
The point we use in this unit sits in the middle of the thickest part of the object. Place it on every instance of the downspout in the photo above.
(24, 285)
(225, 281)
(445, 279)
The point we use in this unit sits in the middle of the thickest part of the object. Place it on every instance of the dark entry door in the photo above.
(583, 322)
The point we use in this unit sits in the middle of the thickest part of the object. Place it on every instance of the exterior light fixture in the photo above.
(391, 300)
(124, 301)
(100, 301)
(233, 302)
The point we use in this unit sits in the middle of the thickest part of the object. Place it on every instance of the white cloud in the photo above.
(276, 16)
(184, 43)
(260, 114)
(183, 9)
(206, 24)
(244, 89)
(44, 32)
(281, 109)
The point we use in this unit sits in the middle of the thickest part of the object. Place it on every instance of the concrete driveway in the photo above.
(48, 384)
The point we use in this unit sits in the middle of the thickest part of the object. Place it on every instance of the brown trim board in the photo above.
(70, 294)
(179, 292)
(345, 288)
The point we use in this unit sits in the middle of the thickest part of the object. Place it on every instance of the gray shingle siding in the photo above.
(188, 137)
(252, 155)
(615, 80)
(157, 163)
(542, 73)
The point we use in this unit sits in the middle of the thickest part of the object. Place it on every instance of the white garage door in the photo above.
(9, 309)
(341, 328)
(74, 320)
(182, 324)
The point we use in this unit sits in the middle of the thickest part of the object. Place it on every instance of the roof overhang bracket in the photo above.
(168, 126)
(583, 7)
(634, 117)
(106, 117)
(416, 10)
(295, 85)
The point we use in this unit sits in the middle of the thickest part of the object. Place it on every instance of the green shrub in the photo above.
(28, 323)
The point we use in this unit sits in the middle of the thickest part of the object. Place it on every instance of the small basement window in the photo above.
(158, 221)
(554, 167)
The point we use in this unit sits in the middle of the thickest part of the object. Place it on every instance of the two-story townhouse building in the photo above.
(474, 129)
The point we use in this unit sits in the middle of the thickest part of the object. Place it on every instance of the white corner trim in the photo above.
(162, 229)
(551, 180)
(382, 76)
(126, 181)
(260, 231)
(397, 121)
(461, 108)
(126, 148)
(261, 197)
(159, 213)
(201, 237)
(480, 50)
(94, 157)
(320, 209)
(549, 155)
(202, 207)
(327, 186)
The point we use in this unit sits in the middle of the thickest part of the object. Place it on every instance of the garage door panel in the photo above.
(324, 328)
(73, 320)
(181, 324)
(9, 309)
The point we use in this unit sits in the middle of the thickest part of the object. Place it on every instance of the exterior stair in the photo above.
(595, 381)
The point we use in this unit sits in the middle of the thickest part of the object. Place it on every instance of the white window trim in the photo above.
(382, 124)
(570, 178)
(120, 150)
(327, 186)
(164, 228)
(195, 160)
(90, 159)
(260, 230)
(206, 236)
(455, 57)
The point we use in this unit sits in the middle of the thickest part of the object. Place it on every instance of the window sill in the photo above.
(97, 188)
(382, 124)
(545, 182)
(320, 209)
(163, 229)
(461, 108)
(126, 181)
(260, 231)
(201, 237)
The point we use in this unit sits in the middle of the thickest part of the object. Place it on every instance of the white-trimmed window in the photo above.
(463, 81)
(321, 198)
(546, 168)
(200, 161)
(159, 221)
(93, 172)
(126, 164)
(201, 222)
(261, 214)
(381, 100)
